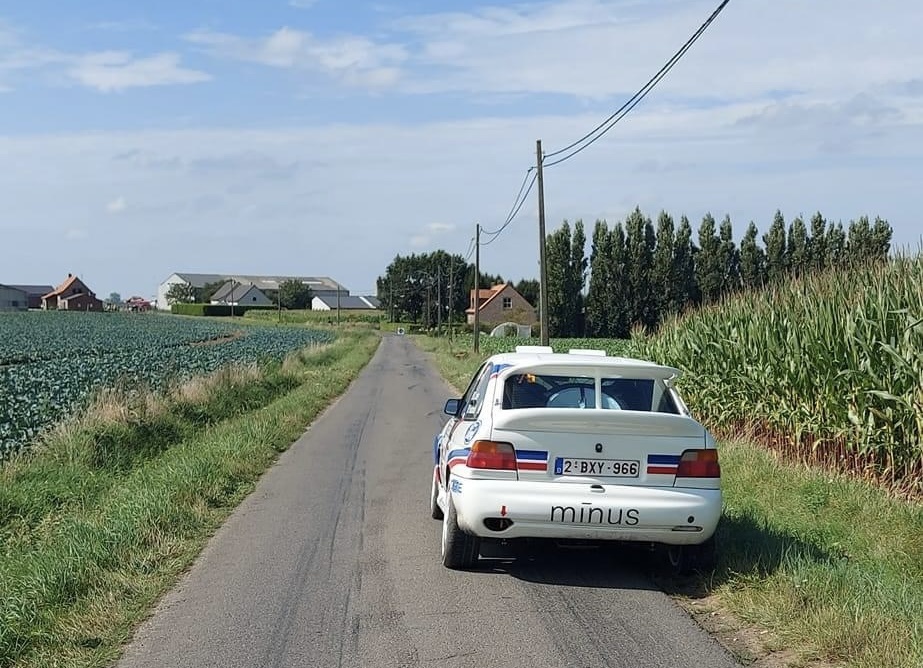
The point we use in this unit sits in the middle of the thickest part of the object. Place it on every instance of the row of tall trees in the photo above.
(639, 274)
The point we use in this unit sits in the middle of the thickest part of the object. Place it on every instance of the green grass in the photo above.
(296, 316)
(94, 527)
(830, 566)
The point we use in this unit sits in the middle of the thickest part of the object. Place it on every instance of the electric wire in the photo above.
(513, 213)
(517, 204)
(604, 127)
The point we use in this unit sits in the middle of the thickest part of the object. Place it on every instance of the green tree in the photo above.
(817, 244)
(599, 296)
(529, 288)
(640, 242)
(799, 259)
(752, 259)
(881, 239)
(181, 293)
(557, 259)
(666, 283)
(114, 298)
(709, 269)
(730, 257)
(206, 292)
(293, 294)
(776, 250)
(836, 245)
(619, 289)
(577, 280)
(684, 258)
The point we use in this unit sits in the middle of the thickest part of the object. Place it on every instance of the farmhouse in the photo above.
(321, 286)
(344, 303)
(13, 299)
(501, 303)
(233, 293)
(72, 295)
(34, 293)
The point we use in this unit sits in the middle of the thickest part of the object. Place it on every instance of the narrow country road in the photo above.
(333, 561)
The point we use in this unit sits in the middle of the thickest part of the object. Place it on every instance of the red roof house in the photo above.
(72, 295)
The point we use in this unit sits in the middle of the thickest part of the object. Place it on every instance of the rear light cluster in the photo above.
(494, 455)
(699, 464)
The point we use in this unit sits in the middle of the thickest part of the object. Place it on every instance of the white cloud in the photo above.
(354, 60)
(117, 70)
(116, 206)
(302, 4)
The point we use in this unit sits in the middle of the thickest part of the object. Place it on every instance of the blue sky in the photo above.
(324, 137)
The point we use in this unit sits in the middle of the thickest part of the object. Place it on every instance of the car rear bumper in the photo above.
(498, 509)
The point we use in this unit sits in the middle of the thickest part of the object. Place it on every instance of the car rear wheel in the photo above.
(434, 508)
(686, 559)
(459, 549)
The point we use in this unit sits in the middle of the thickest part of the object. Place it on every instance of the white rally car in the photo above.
(577, 446)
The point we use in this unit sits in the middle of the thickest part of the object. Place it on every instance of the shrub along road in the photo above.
(333, 561)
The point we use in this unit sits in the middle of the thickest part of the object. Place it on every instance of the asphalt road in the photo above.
(333, 561)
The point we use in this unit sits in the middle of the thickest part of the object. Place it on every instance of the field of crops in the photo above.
(52, 363)
(829, 368)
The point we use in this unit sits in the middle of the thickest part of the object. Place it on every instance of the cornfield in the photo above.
(828, 368)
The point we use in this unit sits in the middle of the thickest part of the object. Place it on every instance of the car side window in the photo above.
(470, 392)
(478, 389)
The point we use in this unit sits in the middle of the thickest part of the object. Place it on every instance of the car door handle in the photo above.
(597, 488)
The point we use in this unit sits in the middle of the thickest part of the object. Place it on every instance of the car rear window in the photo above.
(529, 390)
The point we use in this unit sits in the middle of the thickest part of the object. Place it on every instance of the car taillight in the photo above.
(492, 455)
(699, 464)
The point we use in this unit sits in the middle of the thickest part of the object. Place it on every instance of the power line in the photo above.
(604, 127)
(470, 250)
(514, 212)
(517, 204)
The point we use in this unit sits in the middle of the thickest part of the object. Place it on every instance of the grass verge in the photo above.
(829, 567)
(101, 520)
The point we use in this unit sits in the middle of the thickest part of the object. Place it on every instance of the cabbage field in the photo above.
(52, 363)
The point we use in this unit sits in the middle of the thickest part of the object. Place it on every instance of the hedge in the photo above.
(221, 310)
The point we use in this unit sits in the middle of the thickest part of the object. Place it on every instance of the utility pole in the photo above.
(438, 302)
(477, 291)
(233, 285)
(338, 304)
(543, 269)
(451, 283)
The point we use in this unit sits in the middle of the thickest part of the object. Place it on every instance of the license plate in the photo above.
(616, 468)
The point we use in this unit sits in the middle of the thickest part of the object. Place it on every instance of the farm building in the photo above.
(13, 299)
(234, 293)
(344, 303)
(320, 285)
(501, 303)
(72, 295)
(34, 293)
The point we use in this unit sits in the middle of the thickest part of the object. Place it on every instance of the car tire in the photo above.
(434, 509)
(687, 559)
(459, 549)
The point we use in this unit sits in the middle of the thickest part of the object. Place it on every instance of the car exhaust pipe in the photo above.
(497, 523)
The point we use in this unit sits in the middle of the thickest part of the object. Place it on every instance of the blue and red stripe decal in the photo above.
(532, 460)
(662, 464)
(456, 457)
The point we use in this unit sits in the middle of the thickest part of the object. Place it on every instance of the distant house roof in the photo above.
(487, 295)
(316, 283)
(234, 291)
(351, 302)
(70, 280)
(34, 290)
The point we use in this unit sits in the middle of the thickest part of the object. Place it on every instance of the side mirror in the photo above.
(452, 406)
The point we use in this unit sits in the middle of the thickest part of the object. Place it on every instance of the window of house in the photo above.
(507, 303)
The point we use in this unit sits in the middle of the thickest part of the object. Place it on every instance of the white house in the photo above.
(237, 294)
(345, 303)
(320, 285)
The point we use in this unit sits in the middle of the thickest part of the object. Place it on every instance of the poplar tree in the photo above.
(776, 251)
(619, 289)
(640, 260)
(752, 259)
(817, 244)
(599, 297)
(730, 257)
(684, 255)
(798, 254)
(709, 269)
(665, 280)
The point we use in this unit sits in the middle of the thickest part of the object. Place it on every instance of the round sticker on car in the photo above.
(472, 431)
